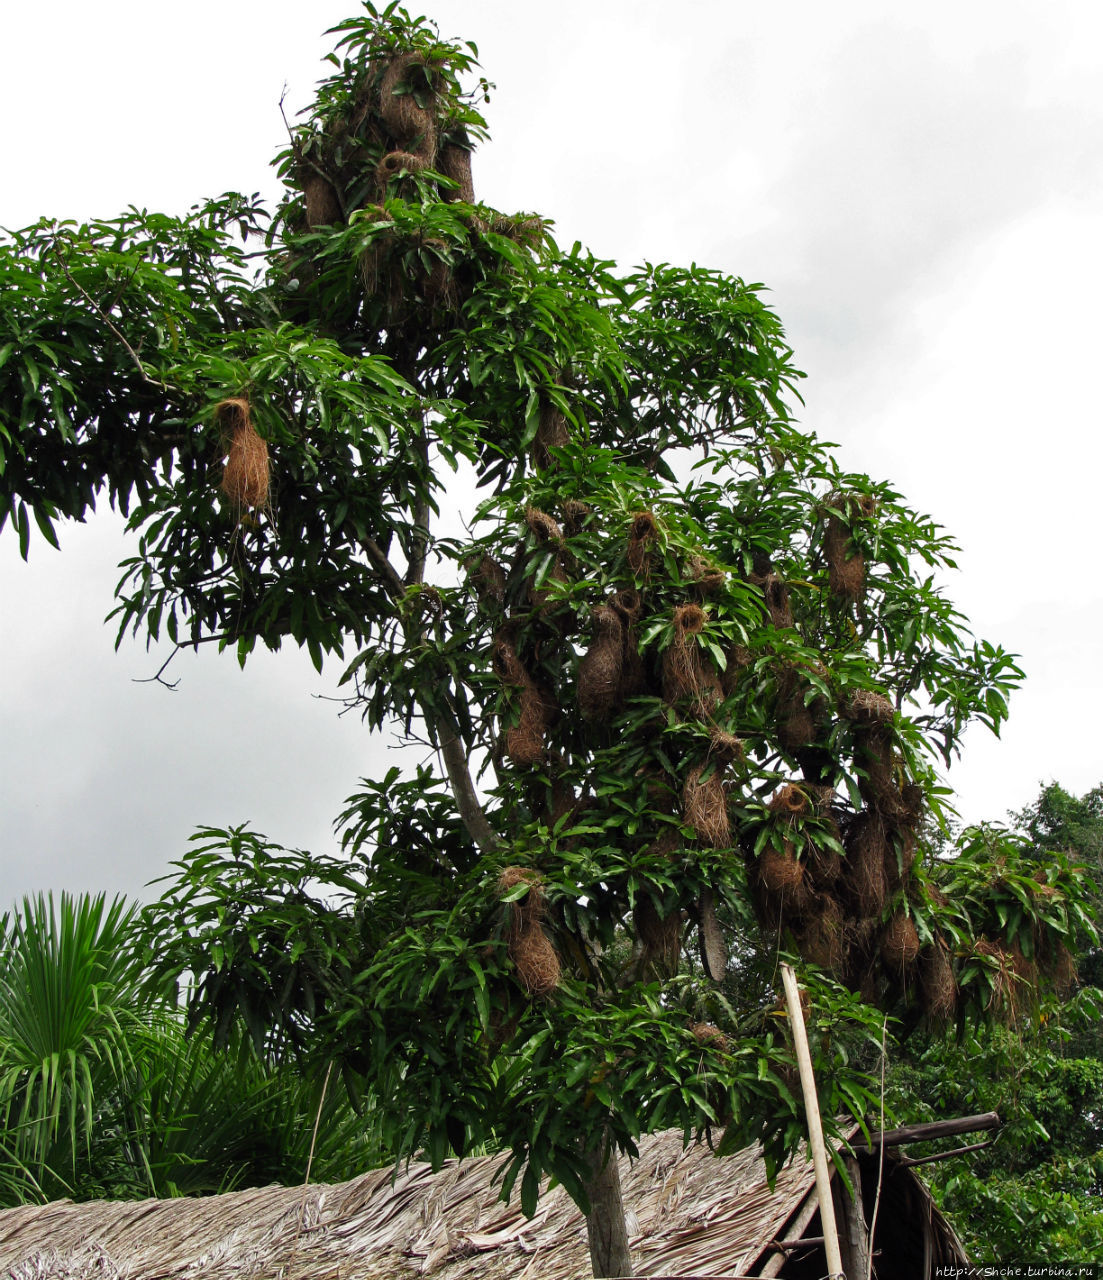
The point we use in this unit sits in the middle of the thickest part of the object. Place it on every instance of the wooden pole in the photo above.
(815, 1126)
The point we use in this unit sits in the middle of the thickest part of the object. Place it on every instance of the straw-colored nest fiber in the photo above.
(705, 805)
(599, 672)
(245, 476)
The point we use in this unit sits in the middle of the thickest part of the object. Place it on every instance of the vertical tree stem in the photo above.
(605, 1226)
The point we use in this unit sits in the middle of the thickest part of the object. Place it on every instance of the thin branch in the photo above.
(463, 789)
(172, 685)
(383, 566)
(153, 382)
(881, 1157)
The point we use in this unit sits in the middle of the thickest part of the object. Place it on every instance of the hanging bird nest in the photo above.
(524, 741)
(866, 707)
(739, 659)
(901, 852)
(875, 758)
(707, 578)
(667, 842)
(705, 806)
(489, 580)
(245, 475)
(599, 672)
(633, 679)
(660, 935)
(820, 937)
(724, 748)
(846, 564)
(574, 514)
(406, 78)
(775, 595)
(708, 1036)
(454, 161)
(688, 675)
(527, 230)
(864, 868)
(1063, 970)
(937, 986)
(642, 535)
(825, 864)
(320, 200)
(710, 939)
(535, 960)
(900, 944)
(551, 433)
(528, 910)
(543, 527)
(796, 720)
(398, 164)
(790, 802)
(781, 872)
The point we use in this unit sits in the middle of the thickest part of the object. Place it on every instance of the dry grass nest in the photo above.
(641, 534)
(866, 707)
(536, 962)
(705, 805)
(599, 672)
(900, 943)
(708, 1036)
(406, 77)
(245, 475)
(789, 802)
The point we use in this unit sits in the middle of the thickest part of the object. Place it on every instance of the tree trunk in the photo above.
(605, 1226)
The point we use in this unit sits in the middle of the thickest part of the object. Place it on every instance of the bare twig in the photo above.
(153, 382)
(313, 1143)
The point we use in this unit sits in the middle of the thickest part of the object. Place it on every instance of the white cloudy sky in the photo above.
(919, 185)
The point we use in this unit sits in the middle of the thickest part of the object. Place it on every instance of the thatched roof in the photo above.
(688, 1215)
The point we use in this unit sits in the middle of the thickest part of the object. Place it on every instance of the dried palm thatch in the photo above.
(406, 78)
(705, 805)
(688, 675)
(599, 672)
(642, 535)
(692, 1215)
(245, 476)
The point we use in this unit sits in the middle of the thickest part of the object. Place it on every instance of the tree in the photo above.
(1035, 1191)
(681, 675)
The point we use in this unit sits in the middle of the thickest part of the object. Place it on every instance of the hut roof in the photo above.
(689, 1214)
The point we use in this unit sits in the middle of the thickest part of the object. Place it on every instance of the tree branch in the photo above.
(379, 562)
(153, 382)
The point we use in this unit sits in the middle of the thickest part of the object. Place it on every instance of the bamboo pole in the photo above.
(815, 1126)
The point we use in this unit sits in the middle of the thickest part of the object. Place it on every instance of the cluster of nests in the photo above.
(401, 128)
(850, 913)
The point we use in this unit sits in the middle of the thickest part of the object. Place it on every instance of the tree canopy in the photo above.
(683, 683)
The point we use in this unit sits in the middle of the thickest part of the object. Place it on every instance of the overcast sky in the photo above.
(919, 186)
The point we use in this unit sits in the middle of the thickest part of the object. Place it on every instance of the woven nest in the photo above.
(454, 161)
(707, 578)
(820, 938)
(551, 433)
(846, 565)
(642, 534)
(543, 527)
(660, 935)
(781, 872)
(666, 843)
(323, 208)
(688, 675)
(1063, 970)
(876, 760)
(524, 741)
(245, 475)
(937, 986)
(825, 865)
(789, 802)
(528, 910)
(574, 514)
(864, 869)
(866, 707)
(900, 943)
(599, 672)
(535, 960)
(776, 597)
(724, 748)
(406, 77)
(708, 1036)
(705, 806)
(798, 720)
(396, 165)
(901, 852)
(739, 659)
(527, 230)
(489, 580)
